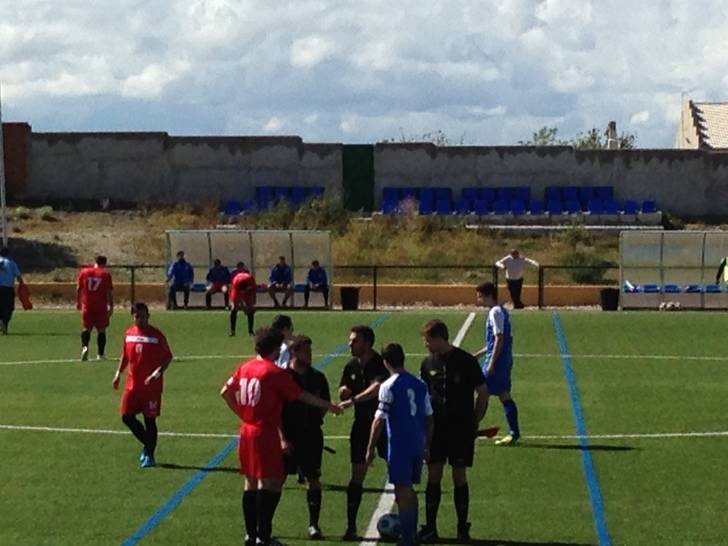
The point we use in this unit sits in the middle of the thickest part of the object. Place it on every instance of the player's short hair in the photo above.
(366, 333)
(180, 253)
(267, 341)
(393, 354)
(282, 258)
(101, 259)
(487, 289)
(240, 265)
(299, 342)
(280, 322)
(217, 262)
(315, 263)
(140, 306)
(4, 251)
(436, 328)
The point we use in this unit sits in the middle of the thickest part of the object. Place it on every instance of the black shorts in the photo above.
(359, 441)
(306, 454)
(453, 443)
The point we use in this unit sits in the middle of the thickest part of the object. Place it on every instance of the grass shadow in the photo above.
(173, 466)
(41, 257)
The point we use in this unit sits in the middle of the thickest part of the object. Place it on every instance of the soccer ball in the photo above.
(389, 526)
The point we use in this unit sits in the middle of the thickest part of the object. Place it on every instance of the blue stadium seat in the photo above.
(408, 193)
(426, 206)
(553, 193)
(694, 289)
(443, 193)
(249, 205)
(390, 194)
(198, 287)
(464, 206)
(443, 206)
(649, 207)
(522, 193)
(316, 192)
(713, 289)
(585, 194)
(518, 206)
(595, 206)
(470, 193)
(605, 193)
(630, 207)
(264, 197)
(503, 194)
(427, 194)
(281, 193)
(554, 207)
(232, 208)
(298, 195)
(500, 206)
(570, 193)
(536, 207)
(486, 194)
(611, 207)
(573, 206)
(671, 289)
(650, 289)
(482, 207)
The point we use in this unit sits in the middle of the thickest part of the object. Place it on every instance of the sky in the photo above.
(488, 72)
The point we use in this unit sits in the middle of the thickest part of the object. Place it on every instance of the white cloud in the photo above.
(494, 70)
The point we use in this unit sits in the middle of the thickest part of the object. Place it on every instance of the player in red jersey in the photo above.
(147, 354)
(95, 300)
(242, 297)
(256, 393)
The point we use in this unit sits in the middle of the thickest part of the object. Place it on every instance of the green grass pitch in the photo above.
(649, 384)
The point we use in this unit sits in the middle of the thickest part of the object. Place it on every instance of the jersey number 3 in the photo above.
(413, 404)
(249, 393)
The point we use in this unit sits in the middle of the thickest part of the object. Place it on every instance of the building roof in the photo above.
(711, 121)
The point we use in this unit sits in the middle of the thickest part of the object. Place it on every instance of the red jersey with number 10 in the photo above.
(94, 283)
(261, 388)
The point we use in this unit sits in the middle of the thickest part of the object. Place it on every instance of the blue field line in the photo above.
(187, 488)
(595, 493)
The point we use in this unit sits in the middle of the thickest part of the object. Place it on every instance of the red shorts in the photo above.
(217, 287)
(260, 453)
(95, 318)
(146, 401)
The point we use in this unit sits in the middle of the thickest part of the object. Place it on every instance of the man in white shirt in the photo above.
(513, 265)
(284, 325)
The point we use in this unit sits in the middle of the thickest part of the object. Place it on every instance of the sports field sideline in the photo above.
(622, 416)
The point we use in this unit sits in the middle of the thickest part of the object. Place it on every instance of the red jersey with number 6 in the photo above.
(94, 284)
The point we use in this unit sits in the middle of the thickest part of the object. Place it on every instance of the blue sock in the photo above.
(511, 412)
(408, 523)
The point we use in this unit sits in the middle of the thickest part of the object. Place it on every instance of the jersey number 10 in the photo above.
(249, 393)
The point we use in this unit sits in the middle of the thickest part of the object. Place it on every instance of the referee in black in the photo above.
(359, 386)
(302, 429)
(453, 377)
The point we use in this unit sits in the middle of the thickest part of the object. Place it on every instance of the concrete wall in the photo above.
(689, 183)
(157, 168)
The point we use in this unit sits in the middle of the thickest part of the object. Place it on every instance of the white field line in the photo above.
(616, 436)
(386, 499)
(184, 358)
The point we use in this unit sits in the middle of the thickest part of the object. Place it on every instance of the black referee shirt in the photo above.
(358, 378)
(451, 379)
(298, 416)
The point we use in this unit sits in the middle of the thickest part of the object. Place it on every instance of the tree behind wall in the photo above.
(593, 139)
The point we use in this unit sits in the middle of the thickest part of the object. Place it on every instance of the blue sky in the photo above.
(487, 72)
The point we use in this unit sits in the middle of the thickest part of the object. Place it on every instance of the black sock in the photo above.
(353, 500)
(267, 504)
(151, 443)
(250, 514)
(137, 429)
(85, 338)
(251, 322)
(461, 497)
(233, 320)
(101, 341)
(313, 496)
(432, 503)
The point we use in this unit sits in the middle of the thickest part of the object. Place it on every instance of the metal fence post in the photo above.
(540, 286)
(133, 287)
(374, 288)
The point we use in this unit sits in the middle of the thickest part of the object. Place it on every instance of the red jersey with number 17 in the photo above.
(145, 350)
(94, 284)
(261, 388)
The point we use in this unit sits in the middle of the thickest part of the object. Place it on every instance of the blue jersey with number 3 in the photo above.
(405, 404)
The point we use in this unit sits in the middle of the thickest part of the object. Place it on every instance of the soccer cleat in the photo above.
(507, 440)
(350, 535)
(100, 357)
(314, 533)
(231, 334)
(143, 454)
(428, 535)
(84, 354)
(464, 533)
(148, 462)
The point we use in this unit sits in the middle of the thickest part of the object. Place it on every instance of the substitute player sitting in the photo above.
(147, 354)
(218, 281)
(302, 428)
(95, 300)
(404, 404)
(243, 296)
(256, 393)
(281, 280)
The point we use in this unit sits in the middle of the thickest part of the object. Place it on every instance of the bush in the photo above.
(592, 268)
